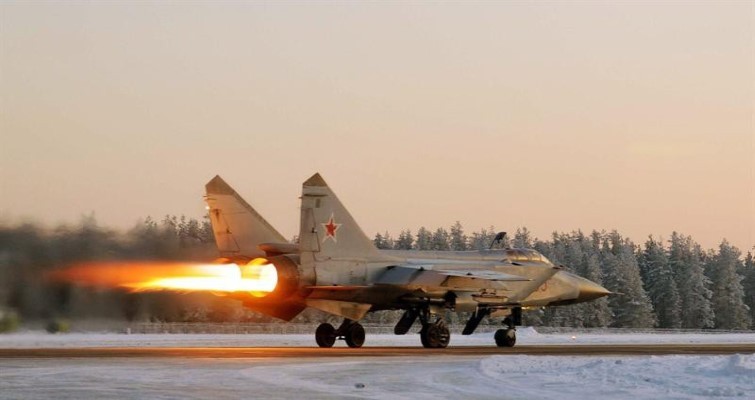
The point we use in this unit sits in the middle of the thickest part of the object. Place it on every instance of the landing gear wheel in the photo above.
(505, 337)
(325, 335)
(355, 335)
(423, 337)
(435, 336)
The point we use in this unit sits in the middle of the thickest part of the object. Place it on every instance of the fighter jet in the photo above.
(336, 268)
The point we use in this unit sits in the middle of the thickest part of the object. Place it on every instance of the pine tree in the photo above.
(685, 259)
(440, 240)
(424, 239)
(378, 241)
(578, 255)
(556, 251)
(660, 284)
(728, 295)
(596, 313)
(748, 285)
(632, 309)
(189, 232)
(405, 240)
(206, 234)
(481, 240)
(522, 238)
(388, 242)
(458, 238)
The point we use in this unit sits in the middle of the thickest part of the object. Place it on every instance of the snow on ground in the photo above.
(443, 377)
(495, 377)
(525, 336)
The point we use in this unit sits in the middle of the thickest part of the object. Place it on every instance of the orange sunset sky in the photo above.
(635, 116)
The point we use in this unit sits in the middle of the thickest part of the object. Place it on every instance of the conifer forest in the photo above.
(662, 282)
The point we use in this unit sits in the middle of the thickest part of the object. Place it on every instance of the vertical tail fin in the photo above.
(327, 229)
(238, 228)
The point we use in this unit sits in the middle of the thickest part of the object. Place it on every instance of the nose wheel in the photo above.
(350, 331)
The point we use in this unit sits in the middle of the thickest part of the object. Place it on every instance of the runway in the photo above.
(340, 352)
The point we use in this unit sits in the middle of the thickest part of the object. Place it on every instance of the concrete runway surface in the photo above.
(314, 352)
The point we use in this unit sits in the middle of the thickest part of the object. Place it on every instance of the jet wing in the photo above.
(485, 274)
(427, 275)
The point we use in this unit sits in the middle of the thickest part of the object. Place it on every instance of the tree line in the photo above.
(670, 283)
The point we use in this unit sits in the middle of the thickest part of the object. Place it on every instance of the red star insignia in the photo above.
(330, 229)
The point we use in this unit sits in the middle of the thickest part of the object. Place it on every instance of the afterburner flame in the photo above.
(218, 278)
(258, 277)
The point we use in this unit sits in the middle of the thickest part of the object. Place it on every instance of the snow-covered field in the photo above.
(443, 377)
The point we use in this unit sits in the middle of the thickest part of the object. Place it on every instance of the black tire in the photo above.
(435, 336)
(355, 335)
(505, 337)
(325, 335)
(423, 337)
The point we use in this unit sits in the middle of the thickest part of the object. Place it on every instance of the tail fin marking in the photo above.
(327, 228)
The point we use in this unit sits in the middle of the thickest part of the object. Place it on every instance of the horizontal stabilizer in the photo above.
(281, 310)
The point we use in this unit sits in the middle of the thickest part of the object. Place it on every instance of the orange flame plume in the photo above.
(258, 277)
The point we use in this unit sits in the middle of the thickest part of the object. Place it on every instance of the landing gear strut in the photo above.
(405, 323)
(350, 331)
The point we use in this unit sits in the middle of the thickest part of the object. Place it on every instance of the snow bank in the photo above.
(625, 377)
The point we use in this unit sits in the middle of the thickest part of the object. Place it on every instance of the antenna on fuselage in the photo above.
(497, 239)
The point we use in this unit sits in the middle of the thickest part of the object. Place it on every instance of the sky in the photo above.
(557, 116)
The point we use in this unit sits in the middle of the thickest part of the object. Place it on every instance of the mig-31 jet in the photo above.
(336, 268)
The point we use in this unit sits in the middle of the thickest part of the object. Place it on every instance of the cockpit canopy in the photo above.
(525, 255)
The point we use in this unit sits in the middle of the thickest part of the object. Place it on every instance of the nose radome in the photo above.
(589, 290)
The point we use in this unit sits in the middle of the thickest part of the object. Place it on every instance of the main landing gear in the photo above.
(433, 335)
(350, 331)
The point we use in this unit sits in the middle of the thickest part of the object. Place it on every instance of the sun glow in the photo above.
(258, 277)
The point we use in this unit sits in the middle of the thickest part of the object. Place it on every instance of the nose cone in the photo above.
(589, 290)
